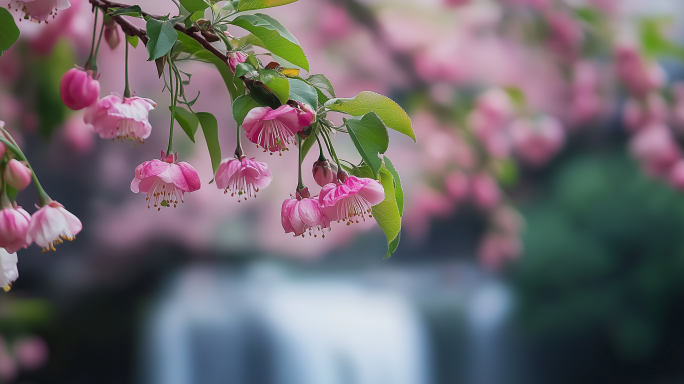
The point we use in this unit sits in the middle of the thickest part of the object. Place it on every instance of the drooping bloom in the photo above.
(14, 225)
(300, 216)
(51, 225)
(40, 10)
(79, 89)
(115, 118)
(235, 58)
(17, 175)
(8, 269)
(272, 129)
(165, 181)
(322, 173)
(242, 176)
(352, 199)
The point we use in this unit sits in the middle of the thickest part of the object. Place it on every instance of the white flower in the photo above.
(8, 269)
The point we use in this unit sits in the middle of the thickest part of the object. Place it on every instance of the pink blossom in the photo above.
(52, 224)
(322, 173)
(304, 215)
(8, 271)
(639, 113)
(485, 191)
(17, 175)
(656, 148)
(66, 25)
(40, 10)
(306, 115)
(676, 175)
(165, 181)
(495, 249)
(272, 129)
(639, 76)
(536, 141)
(31, 352)
(457, 185)
(14, 224)
(235, 58)
(113, 117)
(334, 22)
(242, 176)
(353, 198)
(495, 106)
(78, 89)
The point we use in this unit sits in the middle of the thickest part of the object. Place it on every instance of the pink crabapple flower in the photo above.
(17, 175)
(52, 224)
(303, 215)
(350, 200)
(485, 191)
(272, 129)
(165, 180)
(235, 58)
(113, 117)
(79, 89)
(306, 115)
(39, 10)
(8, 269)
(242, 176)
(14, 225)
(656, 148)
(322, 173)
(536, 141)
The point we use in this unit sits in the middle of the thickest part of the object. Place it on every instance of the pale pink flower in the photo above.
(322, 173)
(656, 148)
(17, 175)
(40, 10)
(495, 106)
(496, 248)
(536, 141)
(8, 269)
(64, 26)
(457, 185)
(272, 129)
(242, 176)
(79, 89)
(352, 199)
(115, 118)
(301, 216)
(485, 191)
(52, 224)
(235, 58)
(14, 225)
(165, 181)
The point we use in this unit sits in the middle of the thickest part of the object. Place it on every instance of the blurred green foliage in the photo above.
(604, 252)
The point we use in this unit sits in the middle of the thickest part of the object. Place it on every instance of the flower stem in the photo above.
(127, 90)
(93, 64)
(43, 197)
(300, 183)
(321, 156)
(331, 149)
(174, 99)
(88, 62)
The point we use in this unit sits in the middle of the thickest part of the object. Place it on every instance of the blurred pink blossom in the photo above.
(121, 118)
(31, 352)
(640, 113)
(495, 249)
(537, 140)
(655, 147)
(39, 10)
(485, 191)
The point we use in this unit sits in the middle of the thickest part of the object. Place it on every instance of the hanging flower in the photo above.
(351, 199)
(39, 10)
(17, 174)
(14, 225)
(303, 215)
(242, 176)
(165, 181)
(115, 118)
(8, 269)
(51, 225)
(322, 173)
(79, 89)
(272, 129)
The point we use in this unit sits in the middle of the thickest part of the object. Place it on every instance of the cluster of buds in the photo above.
(51, 224)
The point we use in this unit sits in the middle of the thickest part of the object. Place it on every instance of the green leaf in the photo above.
(241, 107)
(654, 42)
(133, 41)
(274, 37)
(280, 86)
(249, 5)
(162, 38)
(390, 112)
(517, 96)
(370, 137)
(194, 5)
(9, 33)
(303, 92)
(188, 121)
(243, 69)
(133, 10)
(210, 129)
(194, 48)
(322, 83)
(387, 214)
(397, 185)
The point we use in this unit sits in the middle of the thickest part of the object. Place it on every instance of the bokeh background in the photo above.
(542, 234)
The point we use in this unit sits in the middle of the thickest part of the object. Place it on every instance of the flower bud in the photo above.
(17, 175)
(14, 224)
(111, 34)
(306, 115)
(78, 89)
(303, 193)
(235, 58)
(322, 173)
